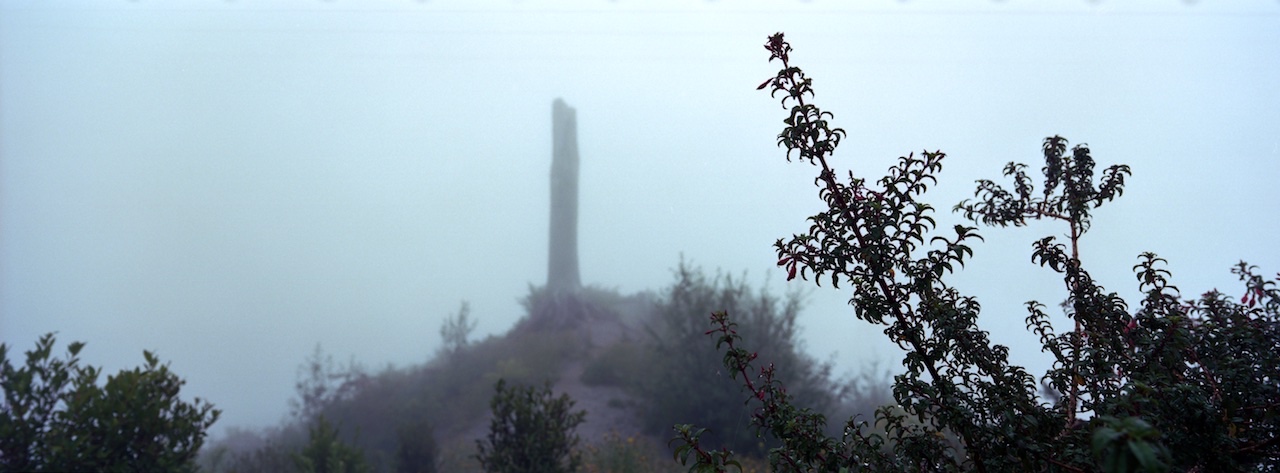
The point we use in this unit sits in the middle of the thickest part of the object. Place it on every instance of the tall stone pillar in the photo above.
(562, 261)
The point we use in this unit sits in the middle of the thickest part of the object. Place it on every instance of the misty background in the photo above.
(229, 183)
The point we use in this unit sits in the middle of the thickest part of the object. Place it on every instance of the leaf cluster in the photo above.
(1069, 192)
(418, 451)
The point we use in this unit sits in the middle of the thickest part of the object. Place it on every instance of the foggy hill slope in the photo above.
(637, 364)
(609, 408)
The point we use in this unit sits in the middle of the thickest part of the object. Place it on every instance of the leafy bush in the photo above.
(325, 453)
(55, 417)
(418, 451)
(531, 432)
(1188, 385)
(681, 380)
(456, 330)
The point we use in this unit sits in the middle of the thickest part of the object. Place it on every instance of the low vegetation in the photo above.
(443, 402)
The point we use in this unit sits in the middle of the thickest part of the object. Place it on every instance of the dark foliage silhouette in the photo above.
(1176, 384)
(55, 417)
(326, 453)
(531, 432)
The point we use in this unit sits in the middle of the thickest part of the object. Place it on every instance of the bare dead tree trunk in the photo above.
(559, 305)
(562, 261)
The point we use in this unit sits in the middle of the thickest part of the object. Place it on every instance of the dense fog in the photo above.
(231, 183)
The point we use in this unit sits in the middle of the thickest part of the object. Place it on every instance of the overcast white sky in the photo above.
(228, 183)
